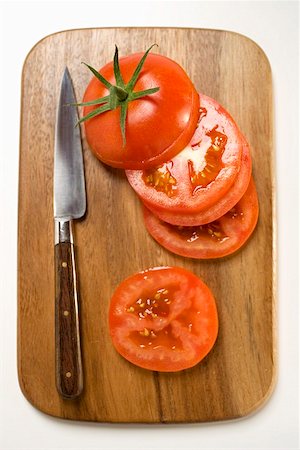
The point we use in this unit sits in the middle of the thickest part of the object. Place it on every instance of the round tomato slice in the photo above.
(200, 174)
(163, 319)
(157, 126)
(213, 240)
(217, 210)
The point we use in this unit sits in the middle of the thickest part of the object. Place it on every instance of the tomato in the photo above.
(163, 319)
(213, 240)
(200, 174)
(158, 126)
(217, 210)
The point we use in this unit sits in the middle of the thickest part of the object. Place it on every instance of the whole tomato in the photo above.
(139, 111)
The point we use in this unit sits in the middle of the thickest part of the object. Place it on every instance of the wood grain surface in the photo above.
(112, 243)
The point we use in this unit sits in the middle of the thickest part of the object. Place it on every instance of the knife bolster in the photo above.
(63, 231)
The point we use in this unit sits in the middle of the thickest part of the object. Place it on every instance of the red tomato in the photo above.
(202, 173)
(217, 210)
(213, 240)
(163, 319)
(158, 126)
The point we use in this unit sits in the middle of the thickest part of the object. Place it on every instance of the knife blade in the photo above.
(69, 204)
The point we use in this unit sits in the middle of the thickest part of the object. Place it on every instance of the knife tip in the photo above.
(66, 81)
(66, 72)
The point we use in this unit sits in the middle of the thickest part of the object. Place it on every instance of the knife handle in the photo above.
(69, 378)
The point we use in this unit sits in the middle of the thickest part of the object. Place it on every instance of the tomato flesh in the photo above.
(216, 142)
(216, 239)
(218, 209)
(163, 319)
(158, 126)
(200, 174)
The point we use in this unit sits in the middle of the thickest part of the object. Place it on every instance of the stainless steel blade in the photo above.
(69, 183)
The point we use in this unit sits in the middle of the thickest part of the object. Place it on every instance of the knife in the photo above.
(69, 204)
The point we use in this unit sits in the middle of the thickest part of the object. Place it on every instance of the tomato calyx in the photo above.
(120, 94)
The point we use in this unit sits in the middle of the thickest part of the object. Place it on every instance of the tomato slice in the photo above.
(200, 174)
(220, 208)
(216, 239)
(163, 319)
(158, 126)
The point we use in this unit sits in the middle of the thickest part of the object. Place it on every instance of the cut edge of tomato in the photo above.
(216, 188)
(193, 350)
(155, 227)
(235, 193)
(176, 366)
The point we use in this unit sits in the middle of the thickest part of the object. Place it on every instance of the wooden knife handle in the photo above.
(69, 379)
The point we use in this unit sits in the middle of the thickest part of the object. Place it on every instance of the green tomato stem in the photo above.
(121, 93)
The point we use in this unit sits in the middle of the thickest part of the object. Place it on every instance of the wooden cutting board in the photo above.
(238, 375)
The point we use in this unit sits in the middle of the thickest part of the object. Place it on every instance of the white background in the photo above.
(274, 26)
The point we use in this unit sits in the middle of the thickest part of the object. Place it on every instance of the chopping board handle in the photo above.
(69, 379)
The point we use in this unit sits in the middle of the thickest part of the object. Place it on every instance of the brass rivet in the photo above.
(66, 313)
(64, 264)
(68, 374)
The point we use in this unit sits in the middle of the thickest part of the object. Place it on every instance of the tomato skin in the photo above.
(234, 229)
(190, 322)
(194, 163)
(157, 126)
(218, 209)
